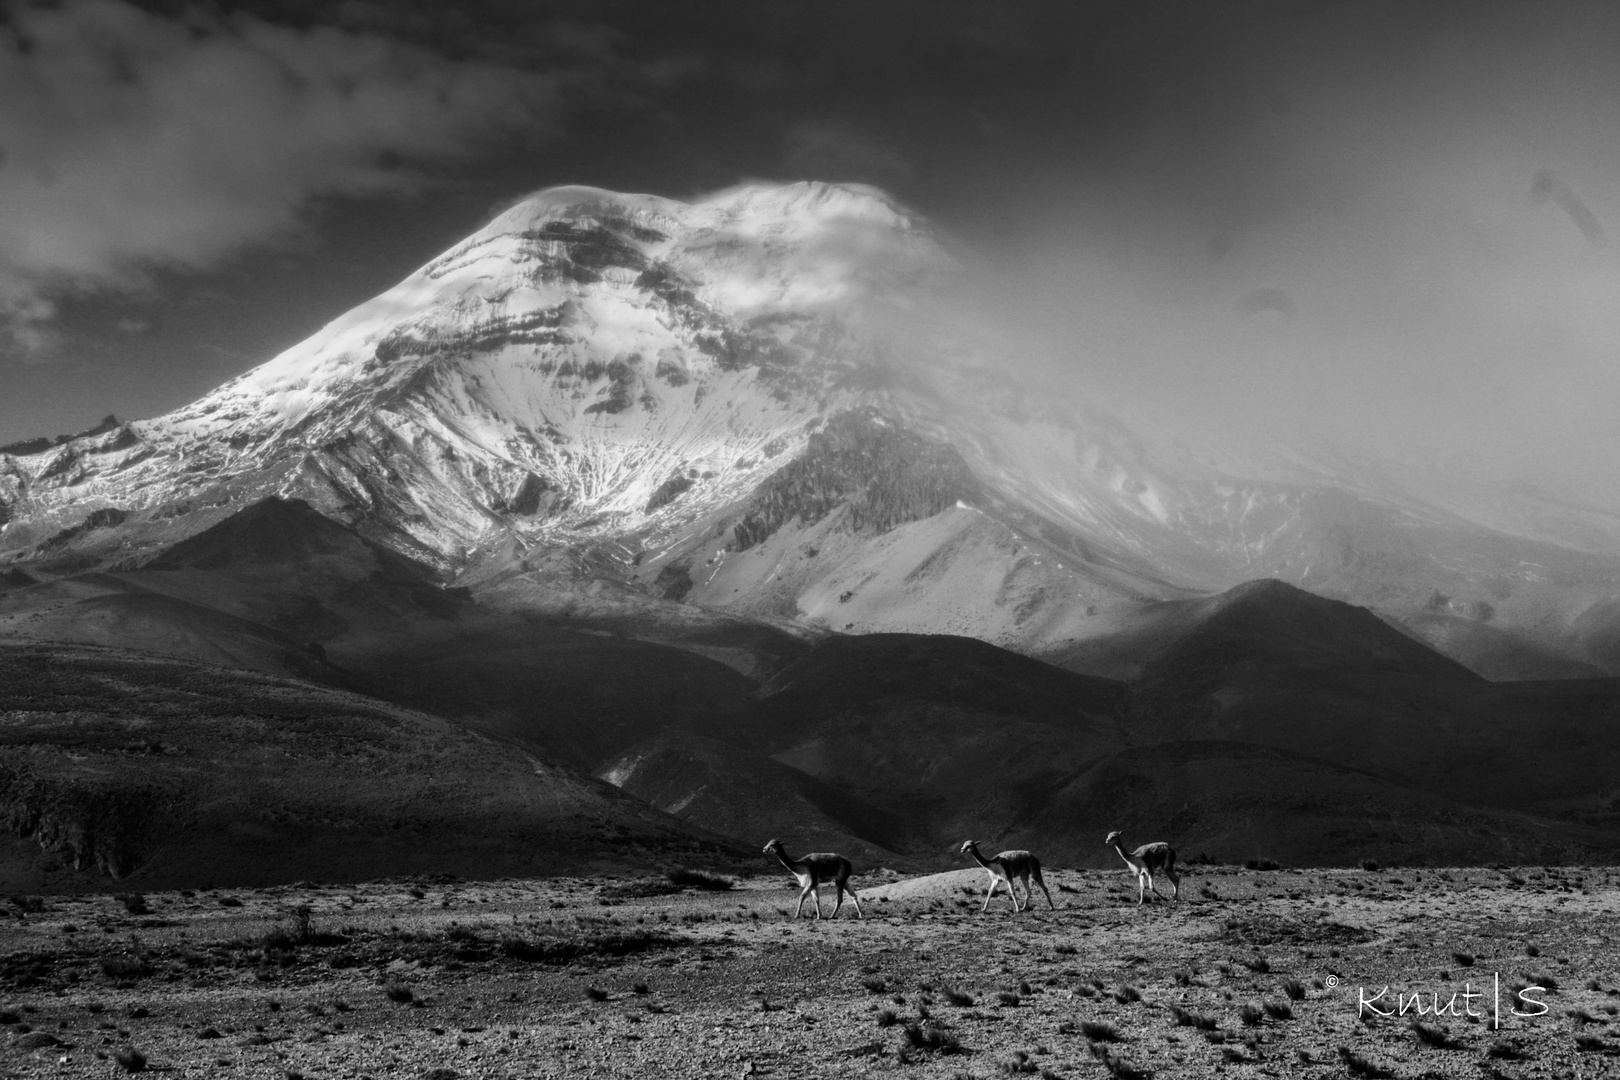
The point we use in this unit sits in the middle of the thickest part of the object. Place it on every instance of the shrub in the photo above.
(699, 879)
(1021, 1062)
(1464, 959)
(596, 993)
(1360, 1066)
(1432, 1035)
(1119, 1070)
(126, 967)
(1252, 1014)
(1261, 864)
(399, 993)
(956, 997)
(130, 1059)
(931, 1036)
(887, 1018)
(1505, 1050)
(135, 903)
(1278, 1010)
(1187, 1018)
(1099, 1031)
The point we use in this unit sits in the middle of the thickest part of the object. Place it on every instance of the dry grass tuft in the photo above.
(130, 1059)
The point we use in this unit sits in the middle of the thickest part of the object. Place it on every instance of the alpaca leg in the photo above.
(994, 881)
(1039, 880)
(854, 896)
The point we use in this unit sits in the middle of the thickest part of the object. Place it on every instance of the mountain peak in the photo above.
(1270, 622)
(747, 208)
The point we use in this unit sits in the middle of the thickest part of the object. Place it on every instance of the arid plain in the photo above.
(1253, 973)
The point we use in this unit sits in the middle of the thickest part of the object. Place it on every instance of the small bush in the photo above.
(126, 967)
(596, 993)
(1007, 997)
(640, 988)
(1256, 963)
(1020, 1062)
(887, 1018)
(1433, 1035)
(1505, 1050)
(875, 986)
(399, 993)
(1099, 1031)
(278, 939)
(1294, 989)
(1464, 959)
(1371, 865)
(1187, 1018)
(956, 997)
(1119, 1070)
(1278, 1010)
(1252, 1015)
(1127, 994)
(1262, 864)
(135, 903)
(1360, 1066)
(933, 1037)
(699, 879)
(130, 1059)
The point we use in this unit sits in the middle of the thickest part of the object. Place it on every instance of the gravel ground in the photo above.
(1252, 973)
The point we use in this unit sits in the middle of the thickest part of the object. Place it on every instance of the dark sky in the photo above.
(1392, 224)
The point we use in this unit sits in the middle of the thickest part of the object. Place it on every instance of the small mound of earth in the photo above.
(950, 885)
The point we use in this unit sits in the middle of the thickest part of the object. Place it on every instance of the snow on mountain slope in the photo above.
(757, 403)
(552, 373)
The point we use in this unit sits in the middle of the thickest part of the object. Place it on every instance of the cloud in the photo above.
(837, 152)
(132, 142)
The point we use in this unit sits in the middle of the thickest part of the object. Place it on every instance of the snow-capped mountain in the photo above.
(757, 403)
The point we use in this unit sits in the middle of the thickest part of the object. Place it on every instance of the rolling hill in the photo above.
(125, 766)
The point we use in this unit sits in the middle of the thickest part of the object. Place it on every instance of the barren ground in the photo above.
(567, 977)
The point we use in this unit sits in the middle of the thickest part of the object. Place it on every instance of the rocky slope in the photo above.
(167, 772)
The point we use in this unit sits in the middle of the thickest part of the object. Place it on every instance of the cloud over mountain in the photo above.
(133, 142)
